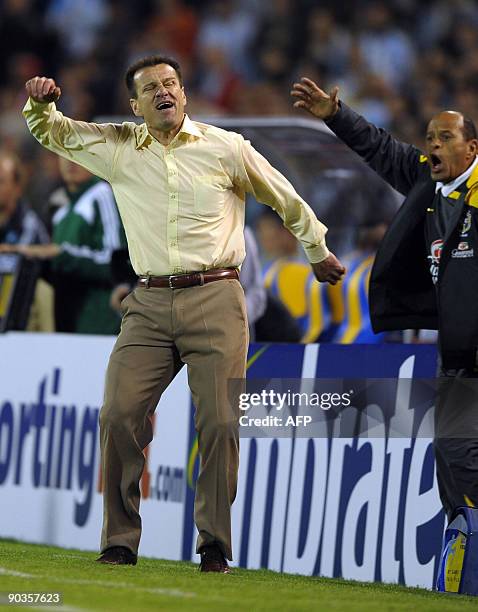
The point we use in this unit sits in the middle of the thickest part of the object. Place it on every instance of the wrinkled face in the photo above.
(10, 189)
(160, 98)
(449, 153)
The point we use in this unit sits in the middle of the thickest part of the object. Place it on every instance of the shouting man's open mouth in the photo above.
(161, 106)
(436, 163)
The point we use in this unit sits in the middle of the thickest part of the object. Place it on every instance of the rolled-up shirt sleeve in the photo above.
(270, 187)
(91, 145)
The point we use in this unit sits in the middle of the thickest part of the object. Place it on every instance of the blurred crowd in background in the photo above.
(396, 62)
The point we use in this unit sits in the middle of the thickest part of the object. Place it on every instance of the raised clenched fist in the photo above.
(42, 89)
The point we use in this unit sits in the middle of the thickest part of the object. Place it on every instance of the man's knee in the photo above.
(219, 435)
(115, 413)
(108, 417)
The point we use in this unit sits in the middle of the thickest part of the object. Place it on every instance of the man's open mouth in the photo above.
(164, 105)
(435, 163)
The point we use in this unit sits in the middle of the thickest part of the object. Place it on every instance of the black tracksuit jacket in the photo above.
(402, 295)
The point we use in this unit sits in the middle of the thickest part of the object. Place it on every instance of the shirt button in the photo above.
(173, 243)
(173, 196)
(173, 220)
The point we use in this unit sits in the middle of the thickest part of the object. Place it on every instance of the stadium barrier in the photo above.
(363, 507)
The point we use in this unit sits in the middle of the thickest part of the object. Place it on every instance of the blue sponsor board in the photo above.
(354, 507)
(64, 439)
(375, 361)
(47, 444)
(338, 505)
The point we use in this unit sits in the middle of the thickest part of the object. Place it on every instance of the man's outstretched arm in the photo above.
(256, 176)
(396, 162)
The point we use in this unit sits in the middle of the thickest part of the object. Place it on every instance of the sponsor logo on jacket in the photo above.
(463, 251)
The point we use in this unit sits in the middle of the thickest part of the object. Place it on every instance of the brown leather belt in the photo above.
(181, 281)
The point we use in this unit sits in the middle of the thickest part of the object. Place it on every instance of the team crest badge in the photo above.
(466, 224)
(434, 257)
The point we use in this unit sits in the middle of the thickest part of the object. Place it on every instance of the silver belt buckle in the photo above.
(170, 281)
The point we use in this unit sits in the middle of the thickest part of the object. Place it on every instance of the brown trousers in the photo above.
(204, 327)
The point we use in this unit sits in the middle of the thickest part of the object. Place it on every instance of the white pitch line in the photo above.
(128, 585)
(6, 572)
(59, 608)
(67, 556)
(102, 583)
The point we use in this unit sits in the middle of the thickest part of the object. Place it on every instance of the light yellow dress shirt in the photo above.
(182, 205)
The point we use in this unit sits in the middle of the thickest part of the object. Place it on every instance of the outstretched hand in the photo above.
(330, 270)
(39, 251)
(315, 100)
(43, 89)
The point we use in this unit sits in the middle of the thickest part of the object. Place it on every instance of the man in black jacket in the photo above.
(426, 270)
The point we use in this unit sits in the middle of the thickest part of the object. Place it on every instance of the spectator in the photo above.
(220, 84)
(19, 225)
(356, 326)
(275, 240)
(178, 24)
(226, 26)
(328, 43)
(287, 278)
(277, 44)
(386, 50)
(86, 230)
(20, 33)
(78, 23)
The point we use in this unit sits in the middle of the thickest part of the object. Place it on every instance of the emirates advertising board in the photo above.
(332, 500)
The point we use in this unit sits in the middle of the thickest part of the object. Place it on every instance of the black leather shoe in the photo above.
(212, 560)
(118, 555)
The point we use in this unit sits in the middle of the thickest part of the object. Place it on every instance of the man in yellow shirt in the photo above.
(180, 188)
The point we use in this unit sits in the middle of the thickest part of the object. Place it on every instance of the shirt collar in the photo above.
(447, 188)
(188, 127)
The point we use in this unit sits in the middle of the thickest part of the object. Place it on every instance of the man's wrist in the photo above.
(31, 109)
(39, 103)
(331, 117)
(33, 105)
(317, 253)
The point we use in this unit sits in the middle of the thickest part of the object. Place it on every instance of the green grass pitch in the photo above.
(172, 585)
